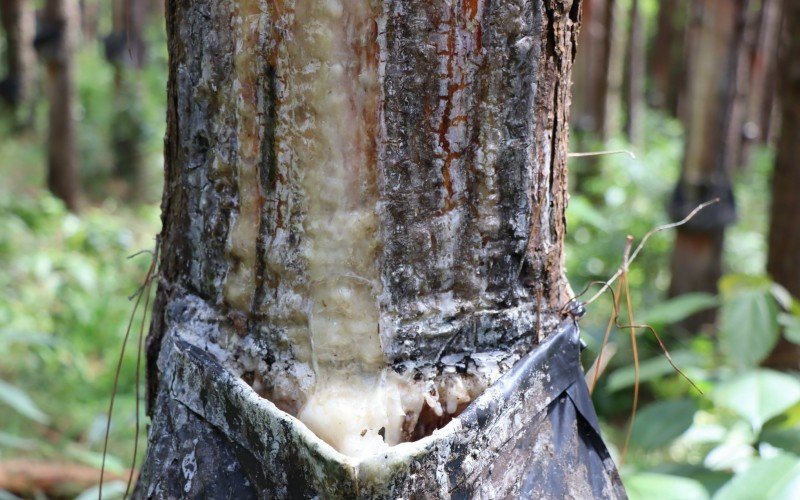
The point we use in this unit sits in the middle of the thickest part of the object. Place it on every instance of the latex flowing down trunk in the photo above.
(363, 234)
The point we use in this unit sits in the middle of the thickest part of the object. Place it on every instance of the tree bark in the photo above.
(19, 86)
(365, 199)
(711, 103)
(784, 230)
(56, 44)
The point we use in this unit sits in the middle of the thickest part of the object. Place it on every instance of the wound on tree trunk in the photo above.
(364, 221)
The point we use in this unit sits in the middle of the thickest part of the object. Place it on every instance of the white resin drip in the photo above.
(325, 57)
(329, 75)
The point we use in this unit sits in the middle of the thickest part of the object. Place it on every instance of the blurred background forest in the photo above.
(705, 93)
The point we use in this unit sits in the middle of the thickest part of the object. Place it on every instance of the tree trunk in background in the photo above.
(711, 92)
(18, 89)
(763, 65)
(590, 76)
(90, 11)
(126, 50)
(666, 60)
(634, 77)
(741, 92)
(783, 261)
(370, 194)
(56, 44)
(616, 69)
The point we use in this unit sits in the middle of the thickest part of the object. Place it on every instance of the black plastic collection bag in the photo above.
(533, 434)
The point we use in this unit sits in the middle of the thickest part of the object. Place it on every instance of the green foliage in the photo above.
(758, 395)
(775, 478)
(21, 402)
(662, 422)
(65, 279)
(738, 440)
(65, 282)
(748, 320)
(742, 435)
(676, 309)
(647, 485)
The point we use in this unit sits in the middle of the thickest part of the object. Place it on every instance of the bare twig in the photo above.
(642, 243)
(602, 153)
(142, 290)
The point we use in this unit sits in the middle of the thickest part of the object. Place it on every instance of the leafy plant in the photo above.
(742, 438)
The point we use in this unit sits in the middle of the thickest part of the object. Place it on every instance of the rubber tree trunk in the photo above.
(18, 88)
(590, 79)
(666, 56)
(762, 87)
(614, 119)
(56, 43)
(382, 181)
(635, 76)
(126, 50)
(590, 76)
(784, 229)
(711, 93)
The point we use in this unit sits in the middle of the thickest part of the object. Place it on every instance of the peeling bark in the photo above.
(363, 198)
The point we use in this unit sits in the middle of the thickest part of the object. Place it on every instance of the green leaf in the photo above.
(21, 402)
(749, 326)
(774, 478)
(791, 327)
(658, 424)
(651, 369)
(758, 395)
(678, 308)
(731, 283)
(787, 439)
(712, 480)
(581, 211)
(647, 485)
(111, 490)
(18, 443)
